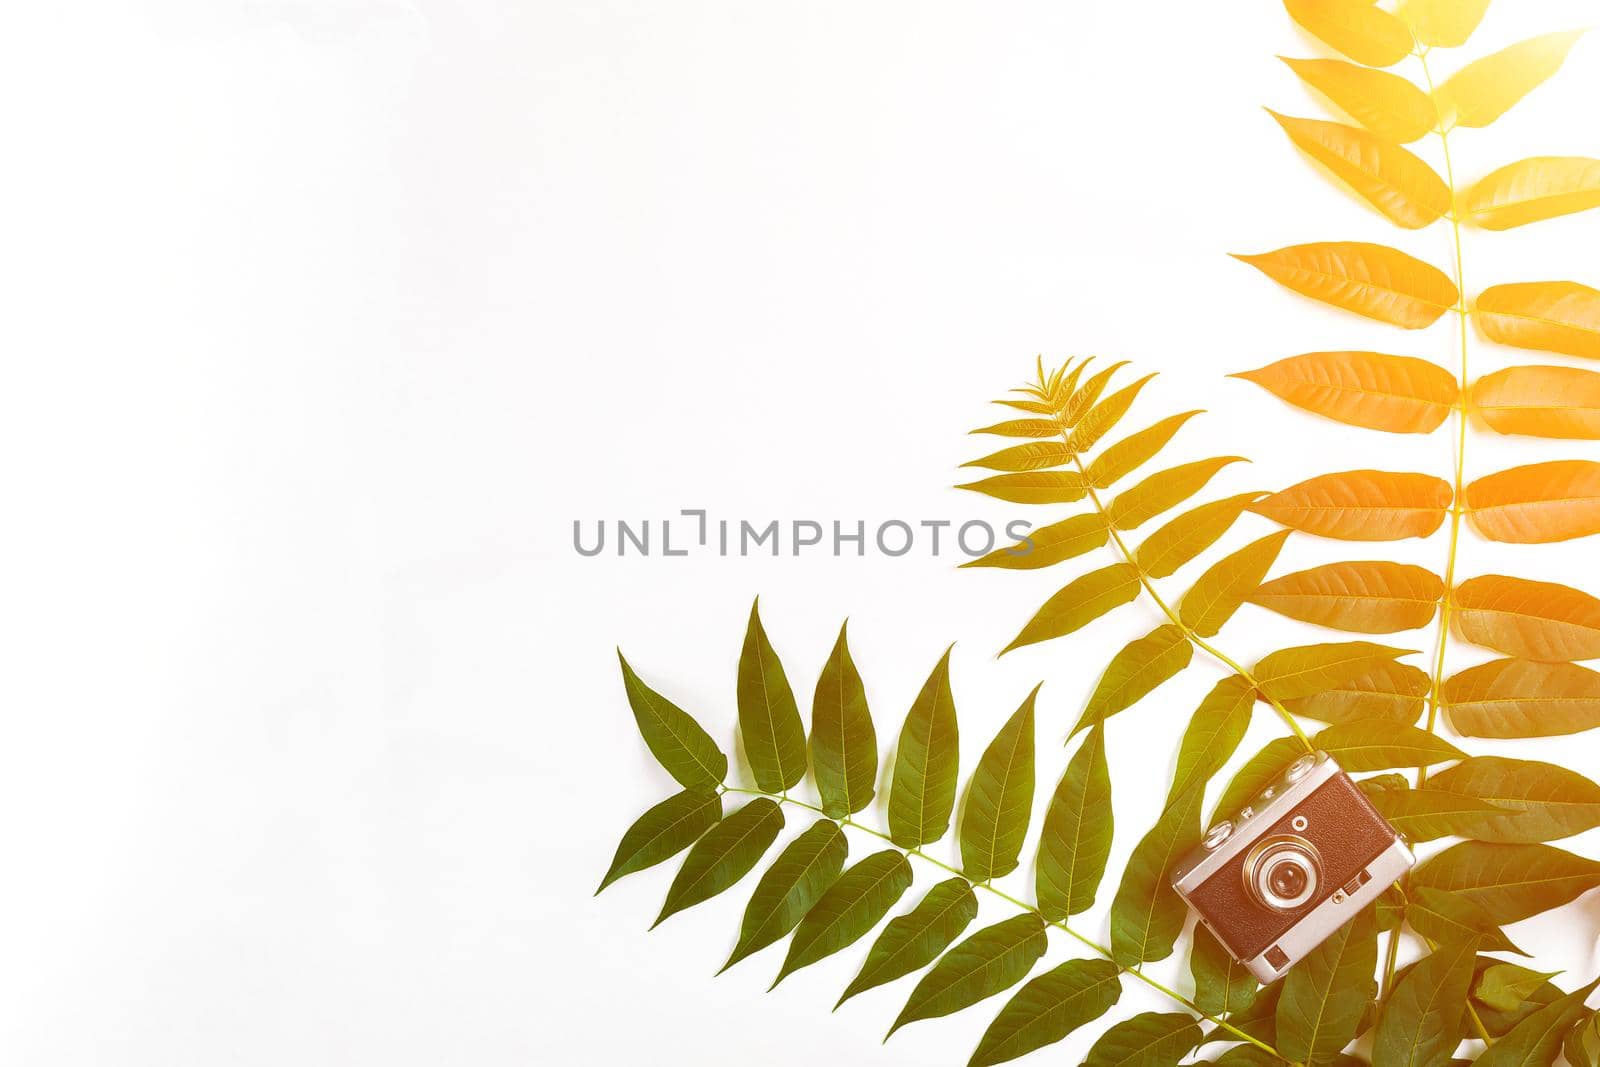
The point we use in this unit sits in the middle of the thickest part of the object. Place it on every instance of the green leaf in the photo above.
(774, 736)
(1185, 537)
(1257, 771)
(1423, 1019)
(1521, 698)
(923, 793)
(723, 856)
(1132, 452)
(1378, 745)
(1540, 801)
(679, 743)
(794, 882)
(1048, 545)
(1080, 603)
(1152, 1039)
(1034, 487)
(1430, 813)
(851, 906)
(1445, 918)
(1582, 1045)
(993, 959)
(1506, 986)
(1214, 732)
(1077, 833)
(1164, 490)
(844, 746)
(1509, 882)
(1536, 1040)
(663, 832)
(1147, 914)
(1000, 800)
(1220, 591)
(1049, 1008)
(1325, 994)
(1136, 671)
(1386, 690)
(912, 941)
(1222, 986)
(1499, 1023)
(1307, 669)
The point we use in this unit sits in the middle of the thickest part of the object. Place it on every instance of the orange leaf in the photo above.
(1559, 317)
(1387, 104)
(1185, 537)
(1443, 23)
(1559, 402)
(1213, 599)
(1291, 673)
(1373, 280)
(1364, 597)
(1163, 490)
(1533, 190)
(1386, 690)
(1079, 603)
(1391, 179)
(1537, 504)
(1520, 698)
(1484, 90)
(1531, 620)
(1362, 505)
(1365, 33)
(1400, 394)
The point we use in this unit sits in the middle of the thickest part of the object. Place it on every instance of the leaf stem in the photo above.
(1018, 903)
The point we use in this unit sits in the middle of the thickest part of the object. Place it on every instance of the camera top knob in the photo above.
(1300, 768)
(1218, 834)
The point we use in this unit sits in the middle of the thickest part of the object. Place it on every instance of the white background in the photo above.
(326, 318)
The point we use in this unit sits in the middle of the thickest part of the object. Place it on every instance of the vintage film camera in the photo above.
(1291, 867)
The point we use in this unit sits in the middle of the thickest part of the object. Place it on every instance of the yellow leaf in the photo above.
(1024, 428)
(1030, 457)
(1387, 104)
(1132, 451)
(1531, 620)
(1373, 280)
(1364, 597)
(1185, 537)
(1362, 505)
(1036, 487)
(1213, 599)
(1163, 490)
(1544, 187)
(1362, 31)
(1389, 177)
(1080, 603)
(1049, 545)
(1443, 23)
(1386, 690)
(1520, 698)
(1104, 415)
(1559, 317)
(1080, 401)
(1561, 402)
(1400, 394)
(1537, 504)
(1484, 90)
(1291, 673)
(1136, 671)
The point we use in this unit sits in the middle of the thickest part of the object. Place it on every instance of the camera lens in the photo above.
(1288, 880)
(1283, 872)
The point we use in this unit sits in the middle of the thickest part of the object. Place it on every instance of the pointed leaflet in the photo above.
(1509, 882)
(1038, 428)
(1151, 1039)
(1077, 833)
(1533, 620)
(1379, 745)
(1000, 799)
(1507, 986)
(1185, 537)
(1325, 994)
(1214, 732)
(1404, 188)
(769, 721)
(1133, 451)
(1536, 1040)
(1533, 190)
(1147, 914)
(679, 743)
(1398, 394)
(1164, 490)
(1539, 801)
(1307, 669)
(1582, 1044)
(1049, 545)
(1537, 504)
(1037, 487)
(995, 958)
(1219, 592)
(923, 793)
(1036, 455)
(795, 881)
(663, 832)
(1080, 603)
(1499, 1023)
(1049, 1008)
(1442, 23)
(844, 746)
(912, 941)
(851, 906)
(1082, 402)
(1362, 505)
(1365, 33)
(1387, 104)
(1106, 414)
(1385, 690)
(1558, 402)
(1521, 698)
(1445, 918)
(1559, 317)
(723, 856)
(1368, 597)
(1136, 671)
(1222, 986)
(1423, 1019)
(1373, 280)
(1484, 90)
(1428, 814)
